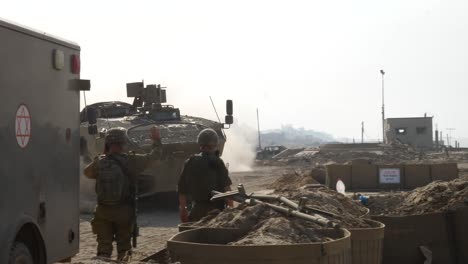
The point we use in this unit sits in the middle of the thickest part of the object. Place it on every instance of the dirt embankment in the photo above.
(263, 225)
(292, 180)
(438, 196)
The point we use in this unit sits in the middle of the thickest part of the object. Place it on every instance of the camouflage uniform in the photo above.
(203, 173)
(117, 221)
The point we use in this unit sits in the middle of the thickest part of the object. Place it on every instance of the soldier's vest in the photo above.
(205, 173)
(112, 182)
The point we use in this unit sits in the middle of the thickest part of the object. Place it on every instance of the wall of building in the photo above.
(416, 132)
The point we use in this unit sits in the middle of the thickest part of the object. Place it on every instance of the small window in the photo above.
(401, 131)
(421, 130)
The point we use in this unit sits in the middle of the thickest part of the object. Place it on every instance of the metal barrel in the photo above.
(366, 214)
(443, 232)
(210, 246)
(367, 243)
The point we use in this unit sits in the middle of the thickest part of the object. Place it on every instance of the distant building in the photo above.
(414, 131)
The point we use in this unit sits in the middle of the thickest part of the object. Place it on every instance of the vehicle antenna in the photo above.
(214, 107)
(216, 112)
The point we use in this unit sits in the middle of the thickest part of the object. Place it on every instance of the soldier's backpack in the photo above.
(112, 181)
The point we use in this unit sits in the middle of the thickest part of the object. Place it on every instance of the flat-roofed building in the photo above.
(414, 131)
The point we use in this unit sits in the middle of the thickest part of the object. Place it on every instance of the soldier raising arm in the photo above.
(137, 162)
(115, 174)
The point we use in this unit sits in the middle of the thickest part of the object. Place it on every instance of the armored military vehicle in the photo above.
(269, 152)
(39, 135)
(179, 133)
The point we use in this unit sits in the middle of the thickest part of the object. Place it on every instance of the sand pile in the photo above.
(294, 180)
(281, 231)
(384, 203)
(241, 217)
(319, 174)
(438, 196)
(344, 211)
(263, 225)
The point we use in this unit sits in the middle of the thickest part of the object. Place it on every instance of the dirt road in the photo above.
(157, 226)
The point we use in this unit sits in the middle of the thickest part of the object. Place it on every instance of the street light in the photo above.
(383, 107)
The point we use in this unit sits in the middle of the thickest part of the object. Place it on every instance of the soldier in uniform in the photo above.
(201, 174)
(115, 174)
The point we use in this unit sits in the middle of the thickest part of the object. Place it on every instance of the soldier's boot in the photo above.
(125, 256)
(104, 250)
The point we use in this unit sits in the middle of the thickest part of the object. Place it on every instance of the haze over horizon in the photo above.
(311, 64)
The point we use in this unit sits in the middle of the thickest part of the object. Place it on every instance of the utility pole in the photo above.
(259, 136)
(449, 136)
(362, 132)
(383, 107)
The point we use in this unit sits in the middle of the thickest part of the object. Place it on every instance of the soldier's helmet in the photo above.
(116, 135)
(207, 137)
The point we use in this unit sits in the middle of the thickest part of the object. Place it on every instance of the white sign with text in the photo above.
(389, 175)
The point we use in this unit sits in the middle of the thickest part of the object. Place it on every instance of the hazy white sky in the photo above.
(312, 64)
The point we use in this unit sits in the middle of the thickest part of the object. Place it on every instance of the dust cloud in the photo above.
(239, 150)
(87, 193)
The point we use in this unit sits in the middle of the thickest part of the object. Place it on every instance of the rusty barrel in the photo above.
(367, 243)
(210, 246)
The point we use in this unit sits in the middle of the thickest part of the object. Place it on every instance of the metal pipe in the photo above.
(281, 199)
(288, 211)
(312, 218)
